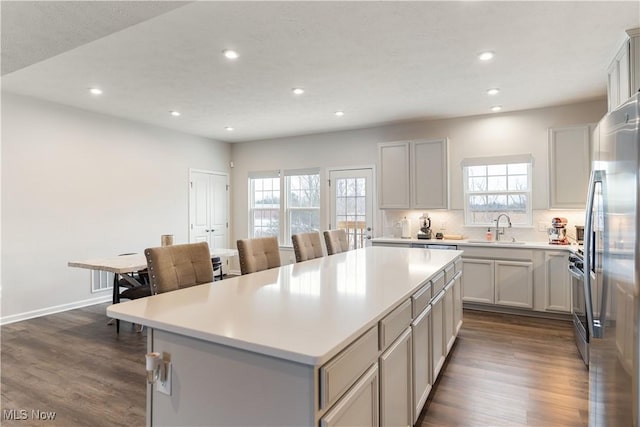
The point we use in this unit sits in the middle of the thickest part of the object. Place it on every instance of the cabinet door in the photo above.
(557, 282)
(421, 329)
(393, 175)
(396, 383)
(569, 166)
(477, 280)
(448, 325)
(429, 174)
(514, 283)
(359, 407)
(457, 304)
(438, 353)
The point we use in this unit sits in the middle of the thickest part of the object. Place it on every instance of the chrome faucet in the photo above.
(497, 220)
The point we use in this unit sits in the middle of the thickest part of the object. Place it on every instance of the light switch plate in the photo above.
(542, 226)
(164, 387)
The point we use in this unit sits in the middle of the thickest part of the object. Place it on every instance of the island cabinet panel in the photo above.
(337, 375)
(422, 379)
(438, 346)
(457, 303)
(448, 332)
(396, 382)
(213, 384)
(359, 407)
(394, 324)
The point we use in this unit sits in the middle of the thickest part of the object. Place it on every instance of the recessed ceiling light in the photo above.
(230, 54)
(174, 113)
(485, 56)
(297, 91)
(493, 91)
(339, 113)
(95, 91)
(229, 128)
(496, 108)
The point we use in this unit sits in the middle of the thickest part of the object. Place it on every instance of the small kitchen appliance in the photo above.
(425, 227)
(558, 232)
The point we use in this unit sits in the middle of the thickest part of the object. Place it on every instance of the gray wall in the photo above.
(79, 185)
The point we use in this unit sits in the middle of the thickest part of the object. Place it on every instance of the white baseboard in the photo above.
(5, 320)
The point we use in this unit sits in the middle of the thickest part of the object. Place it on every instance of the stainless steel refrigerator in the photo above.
(611, 269)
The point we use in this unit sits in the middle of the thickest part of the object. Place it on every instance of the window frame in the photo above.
(496, 161)
(284, 208)
(252, 206)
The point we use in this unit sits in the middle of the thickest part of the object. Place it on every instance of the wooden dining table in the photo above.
(124, 267)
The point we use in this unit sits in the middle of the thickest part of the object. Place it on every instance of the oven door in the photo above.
(579, 308)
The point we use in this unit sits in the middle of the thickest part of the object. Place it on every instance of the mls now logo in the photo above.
(15, 414)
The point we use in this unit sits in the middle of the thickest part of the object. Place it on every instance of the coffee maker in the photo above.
(425, 227)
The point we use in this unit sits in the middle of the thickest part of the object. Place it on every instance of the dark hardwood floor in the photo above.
(503, 371)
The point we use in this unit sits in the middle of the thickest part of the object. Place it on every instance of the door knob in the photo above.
(368, 237)
(368, 228)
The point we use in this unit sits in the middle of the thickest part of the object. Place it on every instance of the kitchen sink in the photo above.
(486, 242)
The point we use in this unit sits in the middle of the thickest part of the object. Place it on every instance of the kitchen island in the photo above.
(312, 343)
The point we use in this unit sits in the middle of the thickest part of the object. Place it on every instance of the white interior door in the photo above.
(352, 204)
(208, 208)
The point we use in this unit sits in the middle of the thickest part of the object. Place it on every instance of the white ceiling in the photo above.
(380, 62)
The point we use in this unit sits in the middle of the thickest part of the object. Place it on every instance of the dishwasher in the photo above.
(433, 246)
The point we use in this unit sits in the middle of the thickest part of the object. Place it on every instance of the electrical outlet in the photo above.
(542, 226)
(164, 387)
(443, 225)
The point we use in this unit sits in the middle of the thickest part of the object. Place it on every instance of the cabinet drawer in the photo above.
(394, 323)
(338, 374)
(420, 300)
(458, 265)
(449, 272)
(437, 283)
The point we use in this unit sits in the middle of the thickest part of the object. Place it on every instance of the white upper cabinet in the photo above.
(624, 71)
(429, 174)
(393, 175)
(413, 174)
(569, 166)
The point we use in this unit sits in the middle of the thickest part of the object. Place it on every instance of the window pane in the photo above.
(477, 170)
(497, 203)
(518, 203)
(361, 191)
(497, 183)
(305, 220)
(518, 169)
(497, 169)
(477, 203)
(477, 184)
(518, 183)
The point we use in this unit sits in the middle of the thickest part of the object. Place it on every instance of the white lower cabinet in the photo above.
(438, 346)
(422, 382)
(359, 406)
(478, 282)
(396, 383)
(557, 282)
(498, 282)
(514, 283)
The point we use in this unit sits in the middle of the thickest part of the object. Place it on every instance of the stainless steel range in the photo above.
(580, 325)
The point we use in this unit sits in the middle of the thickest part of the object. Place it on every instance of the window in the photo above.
(264, 215)
(297, 212)
(302, 206)
(497, 185)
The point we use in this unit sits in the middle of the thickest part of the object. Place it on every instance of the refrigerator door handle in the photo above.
(597, 176)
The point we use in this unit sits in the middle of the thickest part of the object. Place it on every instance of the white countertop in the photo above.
(305, 312)
(477, 242)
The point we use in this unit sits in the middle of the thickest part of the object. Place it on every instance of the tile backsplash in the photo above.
(452, 222)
